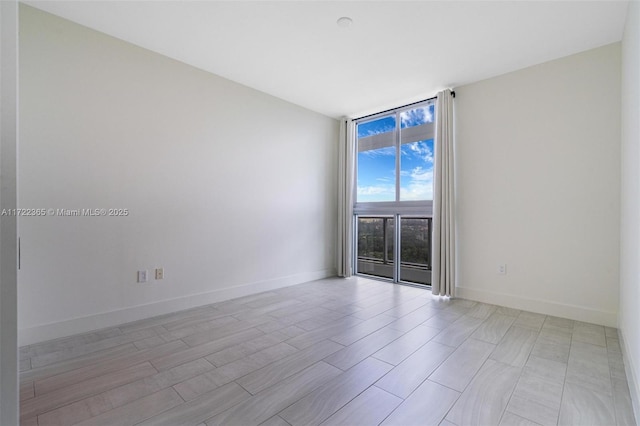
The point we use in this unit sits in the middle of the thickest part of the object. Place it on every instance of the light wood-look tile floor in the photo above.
(332, 352)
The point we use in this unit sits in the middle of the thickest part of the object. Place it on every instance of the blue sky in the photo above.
(376, 168)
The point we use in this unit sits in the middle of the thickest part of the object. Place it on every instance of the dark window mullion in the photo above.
(397, 142)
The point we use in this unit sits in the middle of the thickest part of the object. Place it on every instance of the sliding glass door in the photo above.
(381, 240)
(376, 246)
(394, 193)
(415, 250)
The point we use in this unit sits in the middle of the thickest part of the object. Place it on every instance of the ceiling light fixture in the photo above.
(344, 22)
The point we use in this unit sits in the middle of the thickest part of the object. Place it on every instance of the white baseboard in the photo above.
(547, 307)
(632, 376)
(40, 333)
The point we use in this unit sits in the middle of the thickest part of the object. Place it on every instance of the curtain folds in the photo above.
(443, 249)
(346, 146)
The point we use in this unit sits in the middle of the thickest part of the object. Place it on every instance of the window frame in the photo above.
(409, 207)
(397, 209)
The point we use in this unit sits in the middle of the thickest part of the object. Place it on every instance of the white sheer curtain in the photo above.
(443, 268)
(346, 146)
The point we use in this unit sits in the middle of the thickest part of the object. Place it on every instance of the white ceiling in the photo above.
(395, 52)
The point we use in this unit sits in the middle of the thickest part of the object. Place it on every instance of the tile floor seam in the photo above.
(506, 407)
(564, 382)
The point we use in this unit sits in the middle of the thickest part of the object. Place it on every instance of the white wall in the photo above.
(230, 190)
(8, 223)
(629, 319)
(538, 187)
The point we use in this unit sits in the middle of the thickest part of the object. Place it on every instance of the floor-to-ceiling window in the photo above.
(394, 194)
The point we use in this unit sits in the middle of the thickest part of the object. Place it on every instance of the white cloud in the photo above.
(419, 187)
(382, 192)
(380, 152)
(422, 150)
(372, 190)
(416, 116)
(420, 174)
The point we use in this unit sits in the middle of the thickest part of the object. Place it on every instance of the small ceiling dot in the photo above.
(344, 22)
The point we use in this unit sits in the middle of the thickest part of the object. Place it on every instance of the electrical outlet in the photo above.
(142, 276)
(502, 269)
(159, 273)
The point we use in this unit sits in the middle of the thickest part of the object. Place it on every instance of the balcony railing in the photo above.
(376, 248)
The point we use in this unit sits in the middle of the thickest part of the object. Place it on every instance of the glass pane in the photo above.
(415, 250)
(375, 246)
(377, 160)
(417, 116)
(416, 154)
(416, 171)
(375, 127)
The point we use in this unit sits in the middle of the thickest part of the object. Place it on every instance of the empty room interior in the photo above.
(320, 212)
